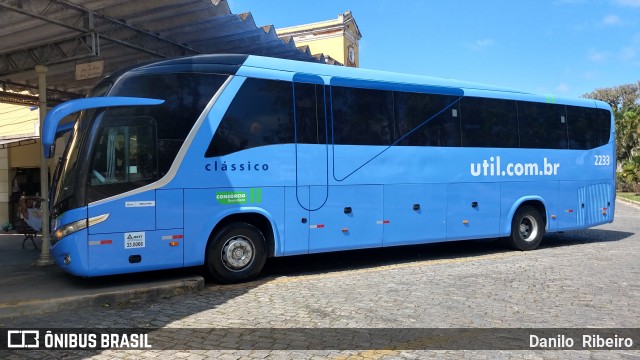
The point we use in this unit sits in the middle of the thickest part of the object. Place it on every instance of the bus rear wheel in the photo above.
(527, 229)
(236, 254)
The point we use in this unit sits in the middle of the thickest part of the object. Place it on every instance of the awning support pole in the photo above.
(45, 253)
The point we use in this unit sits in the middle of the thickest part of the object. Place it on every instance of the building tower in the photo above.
(336, 39)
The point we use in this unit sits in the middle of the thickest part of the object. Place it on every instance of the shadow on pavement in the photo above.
(369, 258)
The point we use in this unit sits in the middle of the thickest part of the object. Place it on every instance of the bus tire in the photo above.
(235, 254)
(527, 229)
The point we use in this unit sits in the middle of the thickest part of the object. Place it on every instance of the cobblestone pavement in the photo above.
(587, 278)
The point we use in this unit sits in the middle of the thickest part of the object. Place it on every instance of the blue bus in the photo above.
(227, 160)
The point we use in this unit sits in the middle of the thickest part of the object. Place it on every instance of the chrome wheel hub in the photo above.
(237, 253)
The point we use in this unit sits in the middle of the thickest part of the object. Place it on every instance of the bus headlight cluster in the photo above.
(77, 226)
(69, 229)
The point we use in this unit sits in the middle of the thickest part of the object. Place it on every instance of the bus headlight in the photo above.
(77, 226)
(69, 229)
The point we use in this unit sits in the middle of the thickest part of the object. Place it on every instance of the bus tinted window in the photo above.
(542, 126)
(185, 95)
(310, 113)
(489, 123)
(362, 116)
(426, 119)
(588, 127)
(260, 114)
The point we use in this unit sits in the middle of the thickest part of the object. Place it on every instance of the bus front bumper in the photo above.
(71, 253)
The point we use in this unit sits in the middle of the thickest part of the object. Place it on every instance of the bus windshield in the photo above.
(64, 186)
(64, 180)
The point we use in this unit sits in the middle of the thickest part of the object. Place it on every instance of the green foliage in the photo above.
(628, 177)
(619, 97)
(627, 133)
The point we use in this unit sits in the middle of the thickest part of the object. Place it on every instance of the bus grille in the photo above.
(594, 204)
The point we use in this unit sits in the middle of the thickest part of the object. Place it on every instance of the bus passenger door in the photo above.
(311, 162)
(130, 238)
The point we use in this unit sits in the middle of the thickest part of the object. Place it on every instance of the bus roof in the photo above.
(259, 66)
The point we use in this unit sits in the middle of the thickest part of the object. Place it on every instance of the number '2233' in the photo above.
(602, 160)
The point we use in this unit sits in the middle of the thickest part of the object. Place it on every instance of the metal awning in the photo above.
(6, 143)
(96, 37)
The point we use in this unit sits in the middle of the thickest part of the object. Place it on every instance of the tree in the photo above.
(619, 97)
(627, 136)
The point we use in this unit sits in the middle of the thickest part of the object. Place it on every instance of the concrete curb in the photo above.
(111, 298)
(628, 201)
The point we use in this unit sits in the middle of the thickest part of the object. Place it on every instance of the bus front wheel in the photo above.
(527, 229)
(236, 254)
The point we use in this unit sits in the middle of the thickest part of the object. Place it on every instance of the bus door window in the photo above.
(310, 114)
(109, 158)
(124, 158)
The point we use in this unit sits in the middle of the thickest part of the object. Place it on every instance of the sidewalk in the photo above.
(29, 289)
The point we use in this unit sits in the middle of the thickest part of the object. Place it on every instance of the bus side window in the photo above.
(542, 126)
(489, 123)
(426, 119)
(362, 116)
(261, 114)
(588, 128)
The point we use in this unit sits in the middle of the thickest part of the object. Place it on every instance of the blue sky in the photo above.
(560, 47)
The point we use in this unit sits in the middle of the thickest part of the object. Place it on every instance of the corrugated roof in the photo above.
(15, 141)
(63, 33)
